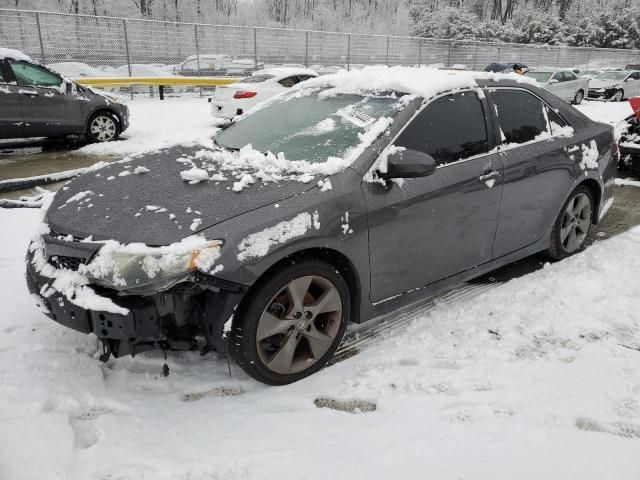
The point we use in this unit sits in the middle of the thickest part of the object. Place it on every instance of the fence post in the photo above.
(419, 53)
(40, 38)
(475, 56)
(348, 51)
(449, 55)
(558, 57)
(498, 59)
(255, 47)
(588, 57)
(306, 49)
(387, 54)
(126, 46)
(195, 36)
(539, 55)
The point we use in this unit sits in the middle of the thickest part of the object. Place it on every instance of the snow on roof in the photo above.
(286, 71)
(14, 54)
(424, 82)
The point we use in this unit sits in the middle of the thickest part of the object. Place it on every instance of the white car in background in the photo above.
(563, 83)
(235, 99)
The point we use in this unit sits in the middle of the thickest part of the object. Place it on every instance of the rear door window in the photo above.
(449, 129)
(520, 115)
(568, 76)
(33, 75)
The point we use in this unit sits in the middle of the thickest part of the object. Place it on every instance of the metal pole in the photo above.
(588, 57)
(419, 53)
(387, 50)
(475, 57)
(498, 59)
(449, 55)
(126, 46)
(539, 55)
(306, 49)
(40, 38)
(349, 52)
(255, 47)
(195, 36)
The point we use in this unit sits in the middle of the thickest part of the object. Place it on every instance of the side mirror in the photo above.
(408, 164)
(68, 86)
(554, 80)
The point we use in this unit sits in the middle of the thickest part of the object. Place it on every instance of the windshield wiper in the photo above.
(224, 147)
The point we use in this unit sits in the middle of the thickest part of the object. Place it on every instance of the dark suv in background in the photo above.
(37, 102)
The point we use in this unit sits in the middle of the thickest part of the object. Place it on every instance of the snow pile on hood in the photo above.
(424, 82)
(14, 54)
(249, 165)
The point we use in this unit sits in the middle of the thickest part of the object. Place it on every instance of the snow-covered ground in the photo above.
(155, 124)
(535, 378)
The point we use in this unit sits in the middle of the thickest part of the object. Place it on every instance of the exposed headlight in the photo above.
(127, 267)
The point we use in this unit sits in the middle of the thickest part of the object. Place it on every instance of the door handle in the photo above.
(489, 176)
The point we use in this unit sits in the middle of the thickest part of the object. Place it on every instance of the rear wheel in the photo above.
(292, 323)
(618, 96)
(573, 224)
(578, 97)
(103, 127)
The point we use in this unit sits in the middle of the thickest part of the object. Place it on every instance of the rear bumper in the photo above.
(226, 110)
(169, 320)
(601, 93)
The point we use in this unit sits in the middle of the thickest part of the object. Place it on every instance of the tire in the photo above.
(572, 225)
(578, 97)
(103, 127)
(274, 340)
(618, 96)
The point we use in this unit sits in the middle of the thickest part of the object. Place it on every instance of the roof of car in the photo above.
(13, 54)
(423, 82)
(282, 72)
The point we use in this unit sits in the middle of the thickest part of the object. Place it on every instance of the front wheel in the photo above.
(103, 127)
(618, 96)
(578, 97)
(291, 323)
(573, 224)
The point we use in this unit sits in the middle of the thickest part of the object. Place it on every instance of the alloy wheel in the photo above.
(576, 222)
(103, 128)
(299, 324)
(618, 96)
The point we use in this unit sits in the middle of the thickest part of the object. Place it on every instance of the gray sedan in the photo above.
(563, 83)
(375, 200)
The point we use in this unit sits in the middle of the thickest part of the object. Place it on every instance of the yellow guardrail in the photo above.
(156, 81)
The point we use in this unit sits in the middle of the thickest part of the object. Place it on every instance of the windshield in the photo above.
(310, 127)
(540, 76)
(612, 76)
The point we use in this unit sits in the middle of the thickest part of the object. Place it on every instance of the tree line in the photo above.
(598, 23)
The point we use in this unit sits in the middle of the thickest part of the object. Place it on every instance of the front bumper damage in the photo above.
(601, 93)
(189, 314)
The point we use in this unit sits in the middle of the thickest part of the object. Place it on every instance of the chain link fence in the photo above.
(91, 46)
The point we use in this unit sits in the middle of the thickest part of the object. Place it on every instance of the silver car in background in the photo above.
(563, 83)
(615, 85)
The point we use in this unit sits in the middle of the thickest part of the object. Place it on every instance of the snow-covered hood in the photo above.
(147, 200)
(604, 83)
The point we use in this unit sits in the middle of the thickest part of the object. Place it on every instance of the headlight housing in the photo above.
(137, 266)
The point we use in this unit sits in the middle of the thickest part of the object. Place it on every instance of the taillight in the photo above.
(244, 94)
